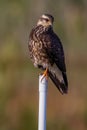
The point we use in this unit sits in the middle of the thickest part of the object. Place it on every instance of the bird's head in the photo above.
(46, 20)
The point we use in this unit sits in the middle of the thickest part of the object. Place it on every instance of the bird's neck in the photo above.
(42, 29)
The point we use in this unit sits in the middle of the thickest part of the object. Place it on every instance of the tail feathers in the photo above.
(65, 78)
(61, 85)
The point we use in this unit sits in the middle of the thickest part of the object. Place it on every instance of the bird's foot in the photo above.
(45, 74)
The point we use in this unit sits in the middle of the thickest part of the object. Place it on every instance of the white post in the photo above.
(43, 84)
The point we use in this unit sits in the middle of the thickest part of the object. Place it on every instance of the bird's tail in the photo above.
(61, 85)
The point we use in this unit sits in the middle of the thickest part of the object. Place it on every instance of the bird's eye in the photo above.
(44, 19)
(47, 20)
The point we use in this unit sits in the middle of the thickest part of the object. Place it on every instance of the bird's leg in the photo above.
(45, 74)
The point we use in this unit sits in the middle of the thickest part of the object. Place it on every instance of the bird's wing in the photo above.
(57, 52)
(57, 72)
(54, 49)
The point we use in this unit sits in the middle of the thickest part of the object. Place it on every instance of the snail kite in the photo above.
(46, 52)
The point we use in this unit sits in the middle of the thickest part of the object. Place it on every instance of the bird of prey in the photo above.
(46, 52)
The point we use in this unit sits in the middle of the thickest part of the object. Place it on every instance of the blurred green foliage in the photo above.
(18, 77)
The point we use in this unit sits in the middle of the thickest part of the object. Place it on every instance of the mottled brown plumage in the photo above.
(46, 51)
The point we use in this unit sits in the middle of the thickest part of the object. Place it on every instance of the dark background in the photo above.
(18, 77)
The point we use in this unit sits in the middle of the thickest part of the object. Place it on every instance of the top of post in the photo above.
(43, 83)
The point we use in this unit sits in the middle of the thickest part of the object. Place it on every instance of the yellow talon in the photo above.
(45, 74)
